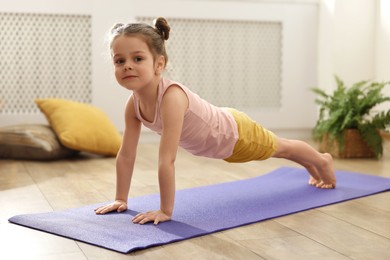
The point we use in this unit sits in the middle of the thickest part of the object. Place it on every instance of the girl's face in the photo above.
(134, 63)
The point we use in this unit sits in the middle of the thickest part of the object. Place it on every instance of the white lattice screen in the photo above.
(43, 55)
(229, 63)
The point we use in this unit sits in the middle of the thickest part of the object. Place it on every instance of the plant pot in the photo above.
(354, 146)
(385, 135)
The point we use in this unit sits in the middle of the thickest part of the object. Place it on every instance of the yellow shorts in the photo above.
(254, 141)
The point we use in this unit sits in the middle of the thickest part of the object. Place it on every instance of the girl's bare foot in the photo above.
(313, 181)
(319, 166)
(326, 173)
(314, 175)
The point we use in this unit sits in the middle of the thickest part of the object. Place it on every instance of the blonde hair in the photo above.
(154, 37)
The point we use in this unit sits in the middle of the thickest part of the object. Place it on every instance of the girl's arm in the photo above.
(173, 108)
(125, 161)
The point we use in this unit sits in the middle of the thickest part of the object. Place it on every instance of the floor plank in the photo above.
(357, 229)
(340, 235)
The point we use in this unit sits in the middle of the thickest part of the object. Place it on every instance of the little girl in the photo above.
(183, 119)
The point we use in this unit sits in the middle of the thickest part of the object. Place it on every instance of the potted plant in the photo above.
(349, 125)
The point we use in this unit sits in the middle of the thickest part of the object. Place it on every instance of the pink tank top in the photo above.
(208, 130)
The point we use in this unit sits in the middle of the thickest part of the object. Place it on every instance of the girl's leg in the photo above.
(319, 166)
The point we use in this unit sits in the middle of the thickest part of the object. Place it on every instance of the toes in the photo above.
(330, 186)
(323, 185)
(313, 181)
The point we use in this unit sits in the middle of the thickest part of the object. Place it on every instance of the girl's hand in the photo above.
(118, 205)
(156, 216)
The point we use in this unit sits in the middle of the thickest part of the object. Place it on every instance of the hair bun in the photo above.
(115, 27)
(162, 27)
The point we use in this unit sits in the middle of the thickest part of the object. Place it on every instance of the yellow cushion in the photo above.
(80, 126)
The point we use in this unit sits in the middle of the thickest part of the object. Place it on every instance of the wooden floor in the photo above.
(357, 229)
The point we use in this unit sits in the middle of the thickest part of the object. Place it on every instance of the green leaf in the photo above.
(352, 108)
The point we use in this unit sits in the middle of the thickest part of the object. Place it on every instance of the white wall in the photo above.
(299, 50)
(354, 40)
(107, 94)
(299, 18)
(382, 62)
(346, 41)
(382, 51)
(354, 36)
(40, 6)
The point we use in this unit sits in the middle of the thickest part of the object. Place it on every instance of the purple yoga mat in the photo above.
(203, 210)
